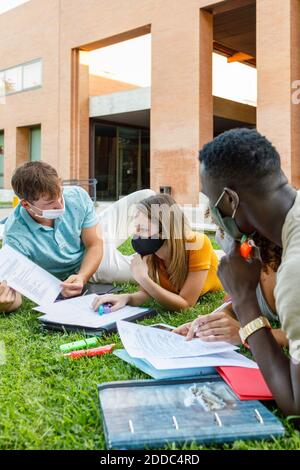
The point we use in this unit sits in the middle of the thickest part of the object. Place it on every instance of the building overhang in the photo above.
(113, 104)
(133, 108)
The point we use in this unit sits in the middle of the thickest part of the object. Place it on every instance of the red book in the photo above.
(248, 384)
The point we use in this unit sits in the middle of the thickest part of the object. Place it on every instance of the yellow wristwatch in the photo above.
(251, 327)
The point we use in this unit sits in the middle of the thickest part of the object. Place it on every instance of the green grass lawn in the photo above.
(50, 402)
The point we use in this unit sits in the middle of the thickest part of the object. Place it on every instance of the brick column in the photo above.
(181, 106)
(10, 154)
(79, 162)
(278, 66)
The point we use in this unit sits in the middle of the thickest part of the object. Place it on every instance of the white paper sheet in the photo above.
(78, 312)
(26, 277)
(143, 342)
(229, 358)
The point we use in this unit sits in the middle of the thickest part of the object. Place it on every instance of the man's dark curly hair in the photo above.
(240, 155)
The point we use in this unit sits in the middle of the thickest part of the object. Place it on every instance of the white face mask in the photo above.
(50, 214)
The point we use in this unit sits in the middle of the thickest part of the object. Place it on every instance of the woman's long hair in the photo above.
(174, 228)
(270, 253)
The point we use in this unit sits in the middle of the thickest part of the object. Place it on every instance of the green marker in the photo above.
(82, 344)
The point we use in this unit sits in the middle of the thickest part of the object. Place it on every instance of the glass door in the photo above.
(121, 160)
(128, 160)
(35, 144)
(106, 161)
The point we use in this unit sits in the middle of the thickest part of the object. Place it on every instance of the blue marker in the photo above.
(104, 308)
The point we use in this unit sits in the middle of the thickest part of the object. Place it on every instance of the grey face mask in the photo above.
(224, 241)
(228, 224)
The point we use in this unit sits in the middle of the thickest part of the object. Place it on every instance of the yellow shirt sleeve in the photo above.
(200, 258)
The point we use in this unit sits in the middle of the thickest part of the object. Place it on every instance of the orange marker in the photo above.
(91, 352)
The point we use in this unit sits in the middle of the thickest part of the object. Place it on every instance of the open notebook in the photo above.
(44, 289)
(76, 315)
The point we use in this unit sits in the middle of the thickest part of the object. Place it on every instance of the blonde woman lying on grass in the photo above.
(173, 265)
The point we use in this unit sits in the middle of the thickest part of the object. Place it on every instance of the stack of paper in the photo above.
(163, 354)
(28, 278)
(169, 352)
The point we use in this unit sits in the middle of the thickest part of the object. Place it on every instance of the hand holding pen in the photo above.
(194, 329)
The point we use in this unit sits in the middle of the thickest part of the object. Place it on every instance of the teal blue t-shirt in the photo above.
(59, 250)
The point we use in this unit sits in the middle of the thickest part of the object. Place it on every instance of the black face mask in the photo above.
(146, 246)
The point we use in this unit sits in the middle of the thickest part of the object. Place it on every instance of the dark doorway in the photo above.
(120, 159)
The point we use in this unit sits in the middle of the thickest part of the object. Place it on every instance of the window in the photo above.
(13, 80)
(32, 75)
(22, 77)
(1, 159)
(2, 88)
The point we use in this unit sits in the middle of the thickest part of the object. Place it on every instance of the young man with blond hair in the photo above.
(57, 228)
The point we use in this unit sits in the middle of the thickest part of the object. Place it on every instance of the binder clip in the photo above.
(258, 416)
(130, 424)
(175, 422)
(218, 420)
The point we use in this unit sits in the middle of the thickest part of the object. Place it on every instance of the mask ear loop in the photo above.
(234, 212)
(37, 215)
(235, 209)
(220, 198)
